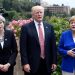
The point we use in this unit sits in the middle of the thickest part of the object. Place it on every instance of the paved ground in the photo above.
(18, 68)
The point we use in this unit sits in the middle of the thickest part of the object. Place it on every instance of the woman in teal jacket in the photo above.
(67, 49)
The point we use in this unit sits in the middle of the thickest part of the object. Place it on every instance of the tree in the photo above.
(7, 4)
(72, 11)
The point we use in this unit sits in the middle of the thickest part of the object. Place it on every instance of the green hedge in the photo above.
(60, 25)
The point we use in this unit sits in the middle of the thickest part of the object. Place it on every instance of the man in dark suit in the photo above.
(38, 45)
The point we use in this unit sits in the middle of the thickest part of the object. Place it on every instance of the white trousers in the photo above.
(68, 73)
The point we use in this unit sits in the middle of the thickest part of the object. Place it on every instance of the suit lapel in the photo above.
(0, 46)
(47, 32)
(34, 32)
(5, 39)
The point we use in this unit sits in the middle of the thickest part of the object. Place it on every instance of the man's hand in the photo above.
(53, 67)
(26, 68)
(1, 66)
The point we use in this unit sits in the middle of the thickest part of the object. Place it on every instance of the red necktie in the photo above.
(41, 40)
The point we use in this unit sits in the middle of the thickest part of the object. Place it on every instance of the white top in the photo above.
(36, 25)
(2, 42)
(74, 40)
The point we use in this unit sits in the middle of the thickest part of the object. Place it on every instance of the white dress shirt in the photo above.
(36, 25)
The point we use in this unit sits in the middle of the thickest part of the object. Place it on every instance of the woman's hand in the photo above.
(5, 67)
(71, 53)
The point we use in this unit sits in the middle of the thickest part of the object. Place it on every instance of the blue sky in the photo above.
(70, 3)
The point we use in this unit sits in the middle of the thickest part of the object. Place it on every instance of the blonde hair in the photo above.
(72, 18)
(37, 7)
(2, 18)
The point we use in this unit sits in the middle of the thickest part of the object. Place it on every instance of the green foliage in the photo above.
(18, 5)
(72, 11)
(13, 15)
(17, 9)
(17, 15)
(60, 25)
(58, 70)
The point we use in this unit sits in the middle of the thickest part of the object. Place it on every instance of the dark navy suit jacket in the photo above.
(67, 43)
(30, 47)
(9, 51)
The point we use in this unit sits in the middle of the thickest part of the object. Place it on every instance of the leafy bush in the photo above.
(60, 25)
